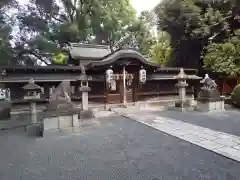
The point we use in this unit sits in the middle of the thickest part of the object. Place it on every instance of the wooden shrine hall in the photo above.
(131, 74)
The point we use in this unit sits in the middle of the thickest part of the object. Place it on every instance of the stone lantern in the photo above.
(84, 89)
(182, 85)
(32, 94)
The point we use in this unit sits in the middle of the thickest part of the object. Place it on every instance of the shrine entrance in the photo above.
(122, 89)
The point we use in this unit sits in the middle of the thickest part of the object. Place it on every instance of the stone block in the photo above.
(76, 122)
(86, 114)
(50, 123)
(35, 130)
(5, 110)
(65, 121)
(210, 106)
(218, 105)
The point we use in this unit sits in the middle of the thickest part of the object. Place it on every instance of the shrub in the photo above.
(235, 96)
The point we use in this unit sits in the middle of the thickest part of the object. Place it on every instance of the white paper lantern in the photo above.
(142, 76)
(2, 93)
(109, 75)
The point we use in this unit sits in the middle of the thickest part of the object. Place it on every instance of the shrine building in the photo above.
(124, 71)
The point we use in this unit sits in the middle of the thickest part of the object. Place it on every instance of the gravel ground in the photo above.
(110, 149)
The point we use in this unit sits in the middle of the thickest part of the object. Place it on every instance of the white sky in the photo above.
(144, 5)
(139, 5)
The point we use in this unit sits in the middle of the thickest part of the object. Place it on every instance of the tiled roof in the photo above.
(87, 51)
(31, 86)
(120, 54)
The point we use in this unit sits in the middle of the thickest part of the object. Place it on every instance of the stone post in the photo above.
(33, 110)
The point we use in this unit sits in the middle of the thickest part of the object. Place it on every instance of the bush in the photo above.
(235, 96)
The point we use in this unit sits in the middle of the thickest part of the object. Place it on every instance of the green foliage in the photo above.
(55, 23)
(191, 23)
(224, 57)
(59, 58)
(45, 27)
(235, 96)
(6, 52)
(140, 29)
(160, 52)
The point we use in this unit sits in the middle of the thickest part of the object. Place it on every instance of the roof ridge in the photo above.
(99, 46)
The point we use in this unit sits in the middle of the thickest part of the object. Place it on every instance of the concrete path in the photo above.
(222, 143)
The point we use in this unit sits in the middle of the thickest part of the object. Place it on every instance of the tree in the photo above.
(56, 23)
(160, 52)
(141, 31)
(190, 24)
(6, 24)
(224, 57)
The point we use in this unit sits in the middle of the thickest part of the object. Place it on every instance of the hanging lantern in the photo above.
(109, 75)
(142, 75)
(2, 93)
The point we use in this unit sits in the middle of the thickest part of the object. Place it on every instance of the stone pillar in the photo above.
(50, 91)
(33, 112)
(84, 90)
(182, 90)
(85, 101)
(73, 88)
(8, 95)
(222, 103)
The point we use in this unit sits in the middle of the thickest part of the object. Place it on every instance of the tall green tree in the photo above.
(53, 24)
(224, 57)
(191, 23)
(6, 25)
(161, 51)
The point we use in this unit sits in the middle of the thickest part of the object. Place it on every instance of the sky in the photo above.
(139, 5)
(144, 5)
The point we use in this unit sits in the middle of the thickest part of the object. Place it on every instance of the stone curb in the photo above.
(25, 125)
(14, 127)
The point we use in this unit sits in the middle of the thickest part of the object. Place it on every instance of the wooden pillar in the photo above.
(135, 84)
(121, 89)
(106, 92)
(124, 87)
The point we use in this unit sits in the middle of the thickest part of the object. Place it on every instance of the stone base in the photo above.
(210, 106)
(35, 130)
(60, 122)
(183, 106)
(181, 109)
(86, 114)
(5, 110)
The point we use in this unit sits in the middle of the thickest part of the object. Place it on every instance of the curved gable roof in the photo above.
(120, 54)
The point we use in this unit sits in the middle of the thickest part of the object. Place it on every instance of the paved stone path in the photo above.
(222, 143)
(227, 121)
(115, 148)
